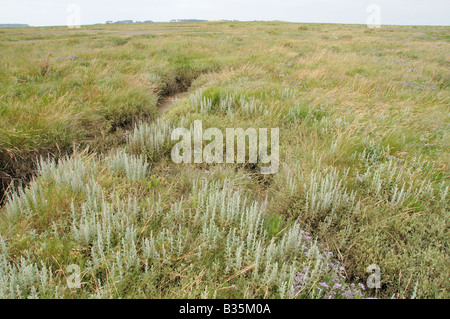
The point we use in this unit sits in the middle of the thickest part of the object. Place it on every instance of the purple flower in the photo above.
(324, 284)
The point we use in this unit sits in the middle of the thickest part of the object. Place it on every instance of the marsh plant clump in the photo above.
(215, 232)
(95, 207)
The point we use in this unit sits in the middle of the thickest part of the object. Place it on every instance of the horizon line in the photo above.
(219, 20)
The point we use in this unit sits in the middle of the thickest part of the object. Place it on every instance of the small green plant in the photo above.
(117, 40)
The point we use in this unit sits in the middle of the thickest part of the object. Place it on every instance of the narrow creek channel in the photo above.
(163, 105)
(166, 102)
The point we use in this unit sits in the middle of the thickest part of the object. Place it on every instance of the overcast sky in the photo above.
(54, 12)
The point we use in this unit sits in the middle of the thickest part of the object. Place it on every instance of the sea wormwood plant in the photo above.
(68, 173)
(134, 167)
(25, 279)
(327, 192)
(150, 139)
(127, 242)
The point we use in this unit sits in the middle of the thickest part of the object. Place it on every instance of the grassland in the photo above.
(85, 161)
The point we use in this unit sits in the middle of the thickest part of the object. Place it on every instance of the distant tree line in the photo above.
(128, 21)
(187, 20)
(13, 25)
(17, 25)
(150, 21)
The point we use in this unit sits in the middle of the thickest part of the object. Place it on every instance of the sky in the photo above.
(60, 12)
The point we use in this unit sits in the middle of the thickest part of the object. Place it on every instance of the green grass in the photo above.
(364, 153)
